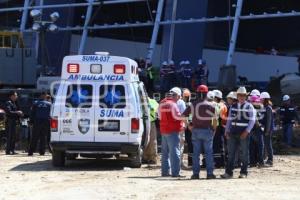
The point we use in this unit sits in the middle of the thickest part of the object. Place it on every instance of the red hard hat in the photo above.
(202, 89)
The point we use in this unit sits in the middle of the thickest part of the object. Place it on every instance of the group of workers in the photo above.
(185, 75)
(235, 132)
(39, 119)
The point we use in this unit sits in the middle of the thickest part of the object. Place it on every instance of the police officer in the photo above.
(288, 115)
(187, 72)
(201, 72)
(13, 115)
(238, 127)
(40, 116)
(164, 77)
(172, 73)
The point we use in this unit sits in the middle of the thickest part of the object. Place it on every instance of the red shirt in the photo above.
(169, 114)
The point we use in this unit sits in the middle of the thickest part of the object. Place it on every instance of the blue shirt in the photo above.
(41, 110)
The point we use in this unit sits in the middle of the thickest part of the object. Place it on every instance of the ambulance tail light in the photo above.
(119, 69)
(54, 124)
(73, 68)
(135, 125)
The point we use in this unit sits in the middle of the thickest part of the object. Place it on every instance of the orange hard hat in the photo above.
(202, 89)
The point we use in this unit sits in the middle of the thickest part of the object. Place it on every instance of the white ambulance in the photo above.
(100, 109)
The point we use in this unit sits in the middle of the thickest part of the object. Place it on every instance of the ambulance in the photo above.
(100, 110)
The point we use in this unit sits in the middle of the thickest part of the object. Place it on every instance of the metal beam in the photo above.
(85, 29)
(69, 5)
(159, 10)
(234, 33)
(24, 15)
(172, 31)
(179, 21)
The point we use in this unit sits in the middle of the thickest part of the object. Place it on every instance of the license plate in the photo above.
(109, 125)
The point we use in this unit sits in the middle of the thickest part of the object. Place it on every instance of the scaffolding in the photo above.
(155, 24)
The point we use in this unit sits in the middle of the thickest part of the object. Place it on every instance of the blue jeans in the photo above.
(233, 143)
(288, 133)
(269, 146)
(202, 138)
(170, 154)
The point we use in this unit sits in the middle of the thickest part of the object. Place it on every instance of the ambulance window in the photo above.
(112, 96)
(79, 96)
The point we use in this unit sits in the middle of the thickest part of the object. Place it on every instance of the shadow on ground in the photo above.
(76, 165)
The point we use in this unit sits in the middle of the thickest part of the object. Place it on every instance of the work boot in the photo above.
(261, 165)
(211, 176)
(226, 176)
(243, 176)
(195, 177)
(269, 163)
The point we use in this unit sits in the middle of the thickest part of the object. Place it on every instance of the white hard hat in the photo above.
(176, 90)
(210, 95)
(187, 62)
(255, 92)
(218, 94)
(265, 95)
(201, 62)
(231, 95)
(241, 90)
(171, 62)
(165, 63)
(286, 98)
(182, 63)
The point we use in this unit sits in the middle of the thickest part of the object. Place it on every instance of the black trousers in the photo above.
(188, 138)
(11, 135)
(218, 147)
(40, 133)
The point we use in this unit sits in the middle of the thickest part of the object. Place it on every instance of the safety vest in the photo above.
(222, 114)
(187, 72)
(153, 109)
(287, 114)
(240, 117)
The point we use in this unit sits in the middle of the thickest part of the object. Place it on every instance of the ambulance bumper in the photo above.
(95, 147)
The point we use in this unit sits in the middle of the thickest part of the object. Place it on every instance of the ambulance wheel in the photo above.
(58, 158)
(136, 159)
(72, 156)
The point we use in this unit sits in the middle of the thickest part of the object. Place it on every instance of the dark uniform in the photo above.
(40, 116)
(12, 119)
(288, 115)
(187, 72)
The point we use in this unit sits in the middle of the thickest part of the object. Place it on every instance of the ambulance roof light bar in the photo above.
(103, 53)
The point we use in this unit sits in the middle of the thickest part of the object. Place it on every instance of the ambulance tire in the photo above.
(136, 159)
(72, 156)
(58, 158)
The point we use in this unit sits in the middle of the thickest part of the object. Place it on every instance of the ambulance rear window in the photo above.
(79, 96)
(112, 96)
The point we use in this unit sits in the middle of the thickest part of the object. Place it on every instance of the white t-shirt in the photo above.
(181, 105)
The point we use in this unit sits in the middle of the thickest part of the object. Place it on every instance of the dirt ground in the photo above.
(31, 178)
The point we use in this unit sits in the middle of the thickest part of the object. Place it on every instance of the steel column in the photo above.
(24, 15)
(172, 31)
(85, 27)
(234, 33)
(155, 31)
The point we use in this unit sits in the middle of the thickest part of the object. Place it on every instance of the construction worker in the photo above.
(188, 131)
(150, 151)
(231, 99)
(181, 106)
(256, 144)
(40, 116)
(164, 79)
(238, 127)
(219, 152)
(187, 72)
(170, 127)
(13, 115)
(150, 77)
(201, 72)
(268, 126)
(172, 73)
(254, 92)
(288, 116)
(179, 74)
(204, 123)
